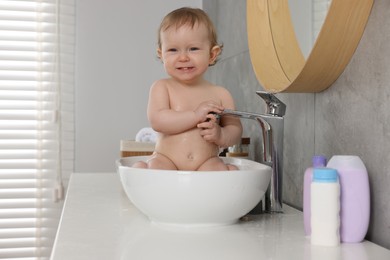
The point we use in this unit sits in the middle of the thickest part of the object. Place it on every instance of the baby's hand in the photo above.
(210, 129)
(212, 116)
(205, 108)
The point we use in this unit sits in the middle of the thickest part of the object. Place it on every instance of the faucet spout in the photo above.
(274, 105)
(272, 126)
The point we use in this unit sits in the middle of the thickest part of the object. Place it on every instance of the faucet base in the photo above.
(262, 209)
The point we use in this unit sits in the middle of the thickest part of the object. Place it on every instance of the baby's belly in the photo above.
(186, 150)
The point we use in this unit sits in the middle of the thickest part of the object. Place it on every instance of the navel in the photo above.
(190, 156)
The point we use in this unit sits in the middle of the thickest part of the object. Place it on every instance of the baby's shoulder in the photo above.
(161, 82)
(223, 94)
(165, 82)
(220, 89)
(160, 85)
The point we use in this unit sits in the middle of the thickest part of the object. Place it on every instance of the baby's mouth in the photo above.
(185, 68)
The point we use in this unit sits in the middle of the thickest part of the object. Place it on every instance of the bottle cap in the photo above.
(325, 175)
(318, 161)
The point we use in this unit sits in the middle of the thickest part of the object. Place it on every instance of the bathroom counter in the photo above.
(99, 222)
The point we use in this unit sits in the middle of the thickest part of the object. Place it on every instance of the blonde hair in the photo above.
(189, 16)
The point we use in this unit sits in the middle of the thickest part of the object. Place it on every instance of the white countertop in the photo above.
(99, 222)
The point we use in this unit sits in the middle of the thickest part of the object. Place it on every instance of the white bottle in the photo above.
(325, 207)
(317, 162)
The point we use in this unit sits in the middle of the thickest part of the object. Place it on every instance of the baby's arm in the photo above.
(163, 119)
(229, 131)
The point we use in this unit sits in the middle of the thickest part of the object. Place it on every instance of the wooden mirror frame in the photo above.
(276, 57)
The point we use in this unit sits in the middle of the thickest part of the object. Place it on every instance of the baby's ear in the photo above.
(159, 53)
(214, 52)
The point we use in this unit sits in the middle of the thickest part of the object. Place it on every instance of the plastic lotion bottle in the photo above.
(355, 197)
(317, 161)
(325, 207)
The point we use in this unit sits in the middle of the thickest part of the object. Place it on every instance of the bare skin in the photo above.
(179, 107)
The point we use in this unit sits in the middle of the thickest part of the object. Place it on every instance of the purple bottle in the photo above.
(354, 197)
(317, 162)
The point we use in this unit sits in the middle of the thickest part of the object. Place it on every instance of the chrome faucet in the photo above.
(272, 125)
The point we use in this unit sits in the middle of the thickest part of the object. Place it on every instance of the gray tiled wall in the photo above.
(351, 117)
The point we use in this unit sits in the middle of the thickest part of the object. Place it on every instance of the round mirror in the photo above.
(277, 59)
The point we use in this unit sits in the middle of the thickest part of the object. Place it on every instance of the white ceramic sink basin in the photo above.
(195, 198)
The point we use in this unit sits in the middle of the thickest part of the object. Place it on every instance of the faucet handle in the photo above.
(274, 105)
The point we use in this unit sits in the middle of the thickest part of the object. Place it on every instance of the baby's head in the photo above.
(189, 17)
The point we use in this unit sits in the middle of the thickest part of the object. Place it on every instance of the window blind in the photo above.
(36, 122)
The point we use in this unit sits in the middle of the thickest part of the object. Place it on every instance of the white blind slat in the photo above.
(26, 202)
(27, 144)
(15, 174)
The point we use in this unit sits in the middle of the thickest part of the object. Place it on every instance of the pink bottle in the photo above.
(355, 197)
(317, 162)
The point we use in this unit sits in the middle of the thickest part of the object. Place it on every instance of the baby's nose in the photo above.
(184, 56)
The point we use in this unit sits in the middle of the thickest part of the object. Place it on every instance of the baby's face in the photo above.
(186, 52)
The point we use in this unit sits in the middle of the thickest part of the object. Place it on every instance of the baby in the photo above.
(182, 108)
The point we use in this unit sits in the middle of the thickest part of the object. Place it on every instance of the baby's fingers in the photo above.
(213, 117)
(205, 125)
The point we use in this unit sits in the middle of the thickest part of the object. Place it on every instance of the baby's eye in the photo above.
(194, 48)
(172, 50)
